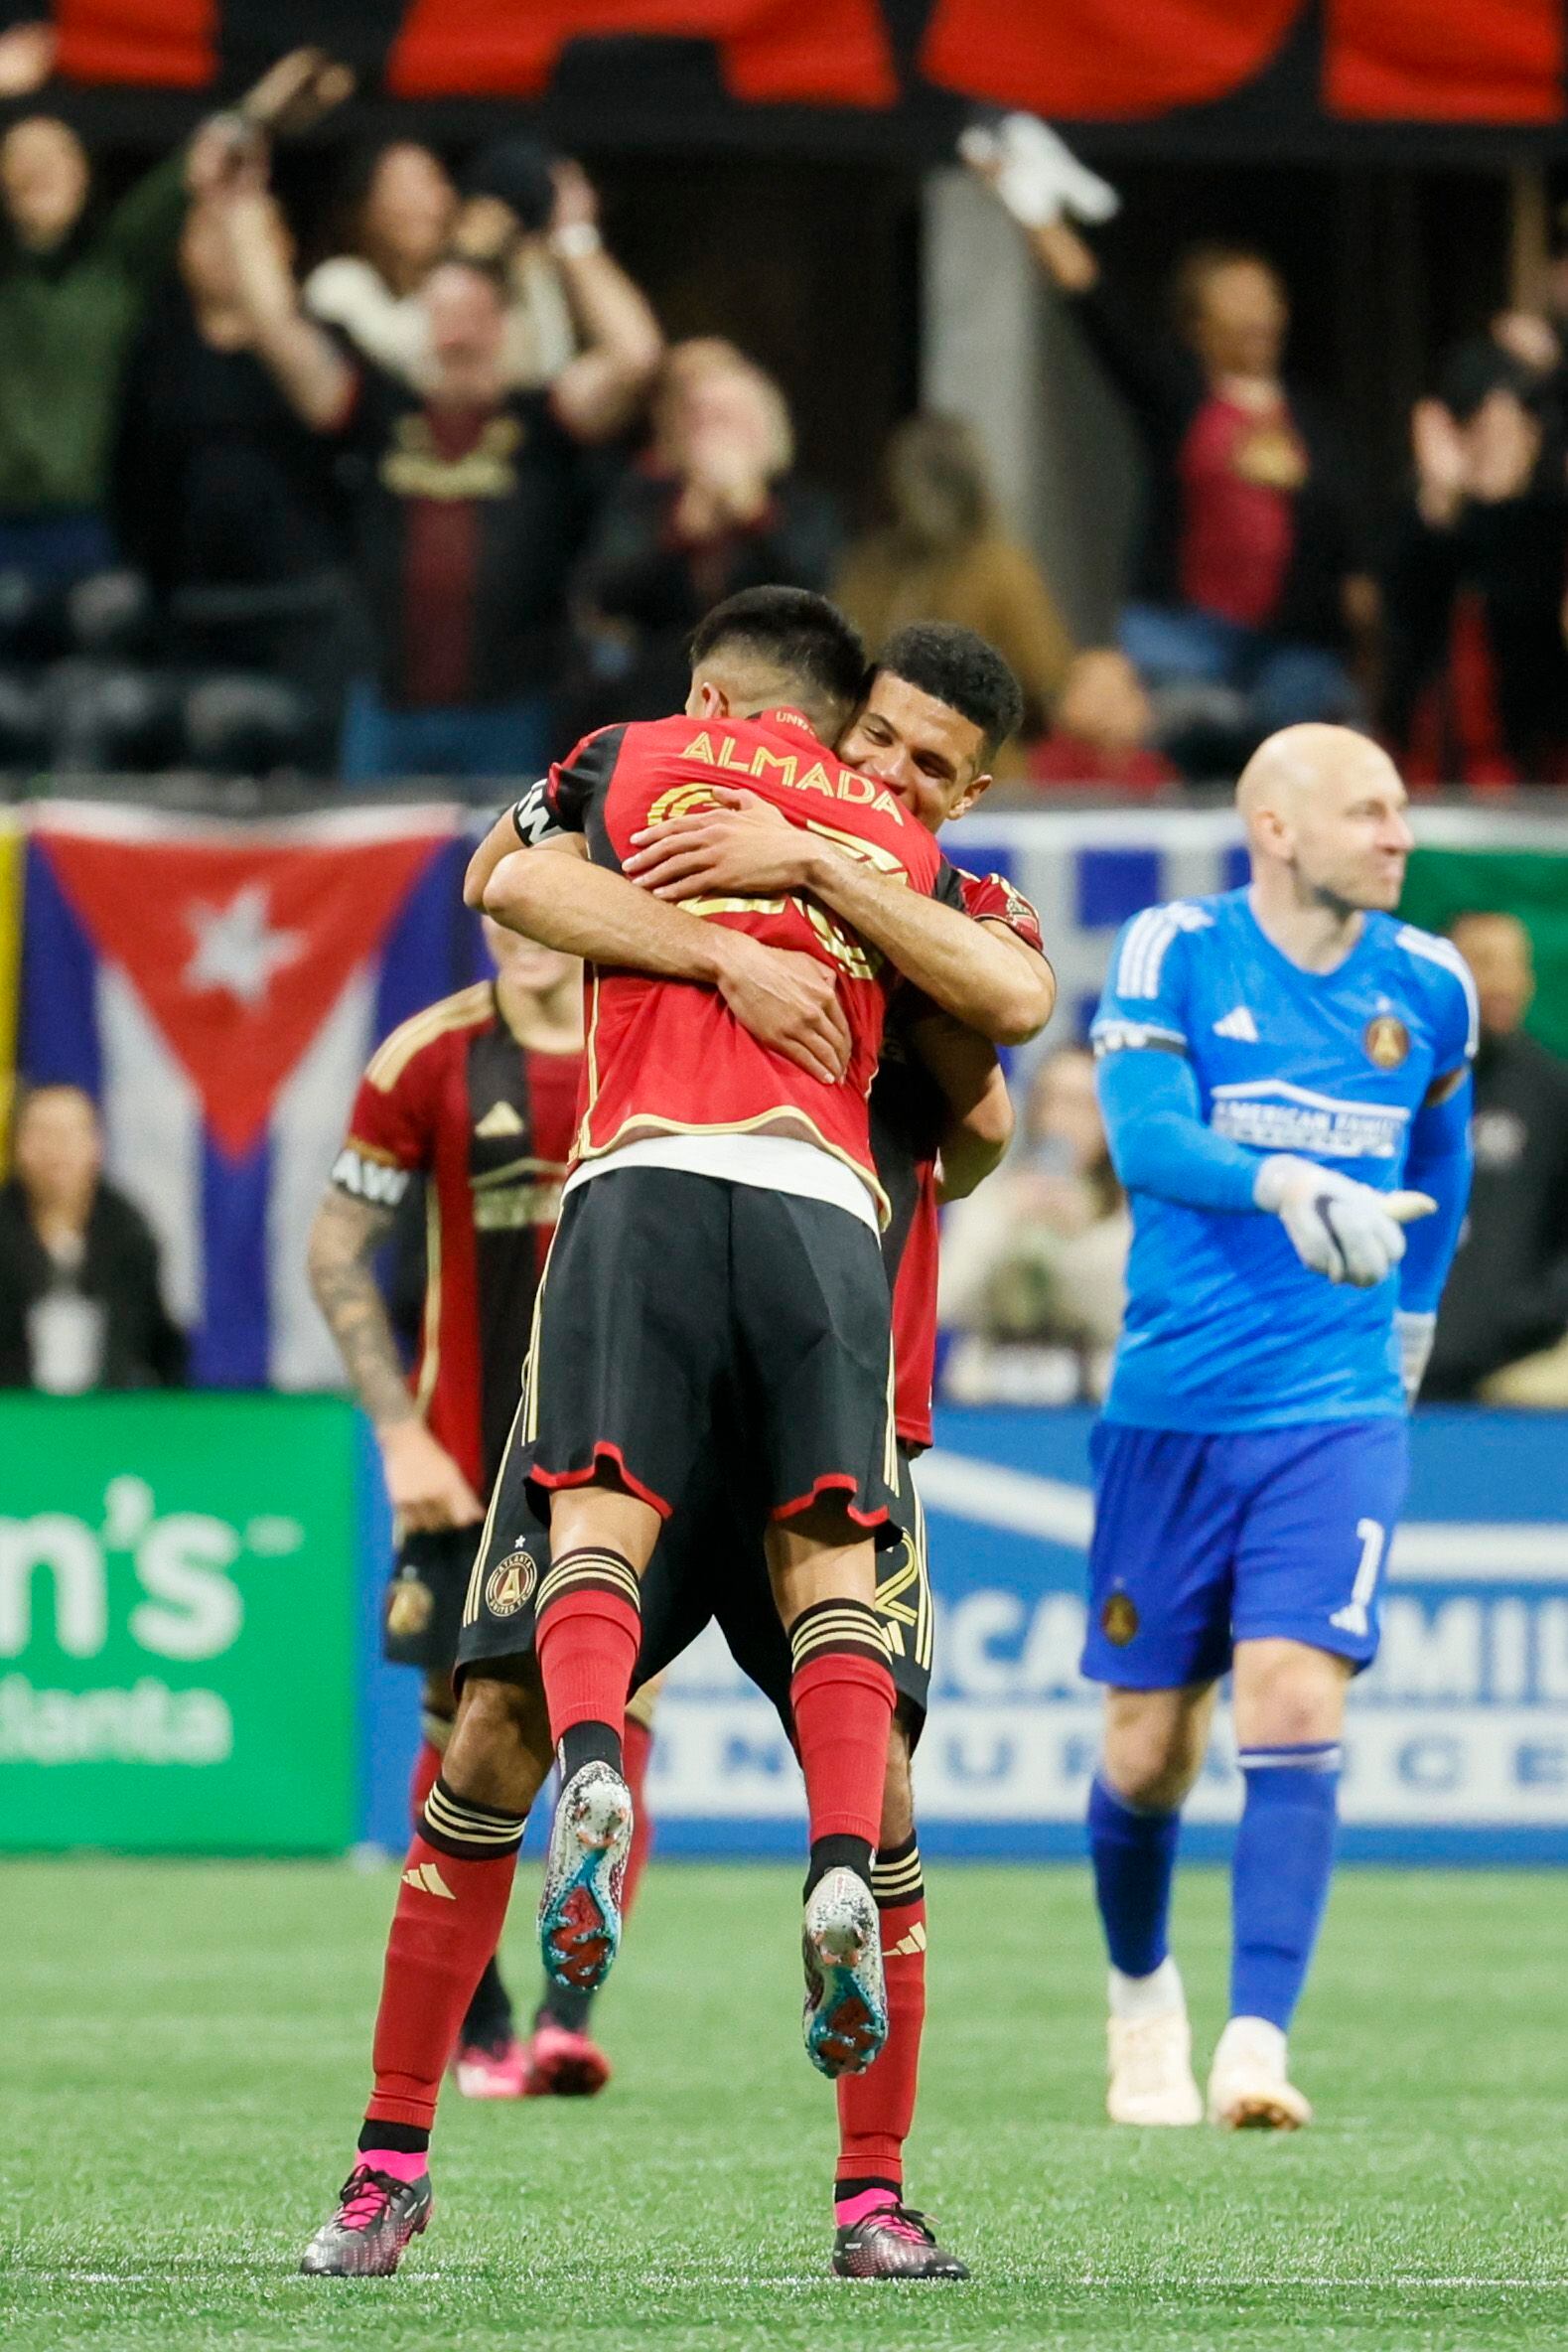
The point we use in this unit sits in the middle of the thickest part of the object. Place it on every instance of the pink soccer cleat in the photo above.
(501, 2073)
(562, 2064)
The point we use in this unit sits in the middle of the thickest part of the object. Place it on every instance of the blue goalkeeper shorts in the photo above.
(1203, 1542)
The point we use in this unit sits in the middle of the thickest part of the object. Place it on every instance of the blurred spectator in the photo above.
(713, 507)
(72, 291)
(1034, 1263)
(468, 500)
(1247, 590)
(1102, 732)
(938, 552)
(1477, 675)
(223, 501)
(1501, 1330)
(80, 1305)
(400, 212)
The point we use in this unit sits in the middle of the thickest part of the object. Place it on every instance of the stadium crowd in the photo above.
(417, 485)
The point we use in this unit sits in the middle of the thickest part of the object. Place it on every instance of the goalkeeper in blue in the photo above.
(1285, 1078)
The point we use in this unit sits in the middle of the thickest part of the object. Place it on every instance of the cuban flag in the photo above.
(217, 987)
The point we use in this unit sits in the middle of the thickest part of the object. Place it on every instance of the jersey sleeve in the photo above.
(1145, 998)
(391, 1126)
(991, 898)
(566, 800)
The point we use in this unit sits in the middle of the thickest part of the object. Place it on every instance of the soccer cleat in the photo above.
(502, 2073)
(375, 2218)
(580, 1907)
(846, 2005)
(1151, 2070)
(562, 2064)
(1249, 2088)
(895, 2241)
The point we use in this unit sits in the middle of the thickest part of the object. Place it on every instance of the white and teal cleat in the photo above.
(580, 1906)
(846, 2003)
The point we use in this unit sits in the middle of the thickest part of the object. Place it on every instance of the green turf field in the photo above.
(183, 2058)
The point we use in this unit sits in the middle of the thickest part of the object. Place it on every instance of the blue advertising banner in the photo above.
(1458, 1748)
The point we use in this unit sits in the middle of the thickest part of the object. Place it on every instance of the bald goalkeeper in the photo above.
(1284, 1074)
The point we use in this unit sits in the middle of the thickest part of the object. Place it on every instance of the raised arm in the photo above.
(982, 974)
(598, 393)
(310, 371)
(426, 1488)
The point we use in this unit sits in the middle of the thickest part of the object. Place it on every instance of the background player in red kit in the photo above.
(478, 1096)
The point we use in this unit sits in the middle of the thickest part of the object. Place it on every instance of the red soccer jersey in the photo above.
(907, 1118)
(451, 1095)
(666, 1058)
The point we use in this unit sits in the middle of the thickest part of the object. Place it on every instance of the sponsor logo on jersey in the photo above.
(510, 1584)
(410, 1605)
(368, 1179)
(1387, 1041)
(1272, 1115)
(1238, 1024)
(1119, 1619)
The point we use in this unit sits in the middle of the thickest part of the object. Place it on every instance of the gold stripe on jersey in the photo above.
(926, 1618)
(890, 1426)
(467, 1009)
(430, 1333)
(477, 1572)
(600, 1569)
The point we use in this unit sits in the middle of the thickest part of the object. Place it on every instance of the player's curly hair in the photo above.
(795, 633)
(961, 669)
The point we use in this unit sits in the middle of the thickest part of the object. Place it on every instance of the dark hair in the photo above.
(956, 667)
(792, 631)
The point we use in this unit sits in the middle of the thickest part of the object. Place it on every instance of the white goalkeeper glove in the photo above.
(1342, 1229)
(1414, 1333)
(1035, 173)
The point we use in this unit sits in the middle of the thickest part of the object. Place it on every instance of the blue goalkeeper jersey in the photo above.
(1226, 1329)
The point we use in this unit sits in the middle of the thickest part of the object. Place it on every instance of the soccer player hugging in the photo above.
(1284, 1072)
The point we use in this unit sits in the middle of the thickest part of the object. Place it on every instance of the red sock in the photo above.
(841, 1695)
(636, 1749)
(423, 1778)
(590, 1625)
(450, 1907)
(876, 2108)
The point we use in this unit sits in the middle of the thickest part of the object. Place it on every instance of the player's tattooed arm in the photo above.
(979, 1122)
(980, 973)
(426, 1488)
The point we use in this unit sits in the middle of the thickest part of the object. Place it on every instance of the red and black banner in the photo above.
(1295, 77)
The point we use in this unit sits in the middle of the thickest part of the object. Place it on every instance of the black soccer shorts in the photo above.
(674, 1306)
(422, 1610)
(710, 1564)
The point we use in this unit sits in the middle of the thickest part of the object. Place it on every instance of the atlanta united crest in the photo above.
(1119, 1619)
(510, 1584)
(1387, 1041)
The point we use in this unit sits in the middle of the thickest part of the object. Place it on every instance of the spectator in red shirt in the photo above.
(1247, 588)
(1101, 730)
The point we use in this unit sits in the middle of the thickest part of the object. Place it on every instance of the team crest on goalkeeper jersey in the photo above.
(1387, 1041)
